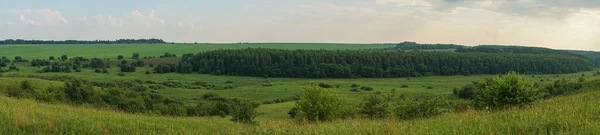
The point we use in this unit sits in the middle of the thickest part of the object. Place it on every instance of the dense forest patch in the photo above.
(376, 64)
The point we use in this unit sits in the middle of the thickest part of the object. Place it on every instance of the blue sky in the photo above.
(563, 24)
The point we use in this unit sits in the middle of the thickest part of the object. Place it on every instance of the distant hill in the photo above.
(118, 41)
(590, 55)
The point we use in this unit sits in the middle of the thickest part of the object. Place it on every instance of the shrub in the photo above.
(581, 79)
(318, 104)
(354, 85)
(51, 95)
(139, 88)
(420, 107)
(511, 89)
(324, 85)
(367, 88)
(229, 81)
(244, 112)
(156, 87)
(104, 70)
(354, 90)
(121, 74)
(293, 112)
(210, 95)
(147, 72)
(404, 86)
(429, 87)
(560, 87)
(377, 105)
(466, 92)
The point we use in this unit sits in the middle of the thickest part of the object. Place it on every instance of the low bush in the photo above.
(420, 107)
(318, 104)
(511, 89)
(367, 88)
(324, 85)
(377, 105)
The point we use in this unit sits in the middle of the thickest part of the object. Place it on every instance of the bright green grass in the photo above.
(127, 50)
(576, 114)
(251, 87)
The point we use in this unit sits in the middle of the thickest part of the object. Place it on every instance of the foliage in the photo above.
(466, 92)
(420, 107)
(376, 64)
(562, 86)
(324, 85)
(318, 104)
(135, 56)
(377, 105)
(510, 89)
(97, 63)
(244, 112)
(127, 68)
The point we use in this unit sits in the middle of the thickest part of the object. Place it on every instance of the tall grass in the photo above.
(575, 114)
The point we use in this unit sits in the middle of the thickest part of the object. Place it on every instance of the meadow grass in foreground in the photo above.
(574, 114)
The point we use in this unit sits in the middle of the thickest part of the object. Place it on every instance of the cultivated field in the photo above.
(112, 50)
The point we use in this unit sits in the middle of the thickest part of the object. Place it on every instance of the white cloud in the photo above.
(136, 13)
(100, 20)
(38, 17)
(27, 21)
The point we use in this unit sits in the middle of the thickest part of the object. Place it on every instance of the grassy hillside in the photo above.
(576, 114)
(113, 50)
(252, 87)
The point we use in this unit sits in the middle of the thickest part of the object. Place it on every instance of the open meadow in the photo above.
(276, 96)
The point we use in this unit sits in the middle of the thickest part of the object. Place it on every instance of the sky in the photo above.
(559, 24)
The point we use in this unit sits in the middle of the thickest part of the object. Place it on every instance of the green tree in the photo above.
(64, 57)
(244, 112)
(120, 57)
(318, 104)
(135, 56)
(377, 105)
(511, 89)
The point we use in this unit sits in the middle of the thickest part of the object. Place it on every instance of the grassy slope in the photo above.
(576, 114)
(113, 50)
(251, 87)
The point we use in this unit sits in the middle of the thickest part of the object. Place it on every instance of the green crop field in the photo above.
(112, 50)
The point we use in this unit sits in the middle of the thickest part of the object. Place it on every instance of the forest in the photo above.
(376, 64)
(590, 55)
(118, 41)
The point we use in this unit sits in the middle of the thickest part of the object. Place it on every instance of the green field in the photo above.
(113, 50)
(575, 114)
(252, 87)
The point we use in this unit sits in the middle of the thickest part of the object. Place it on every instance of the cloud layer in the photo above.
(568, 24)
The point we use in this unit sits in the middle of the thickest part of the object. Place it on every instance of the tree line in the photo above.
(118, 41)
(374, 64)
(590, 55)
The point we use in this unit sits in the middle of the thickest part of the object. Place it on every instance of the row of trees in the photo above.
(590, 55)
(118, 41)
(375, 64)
